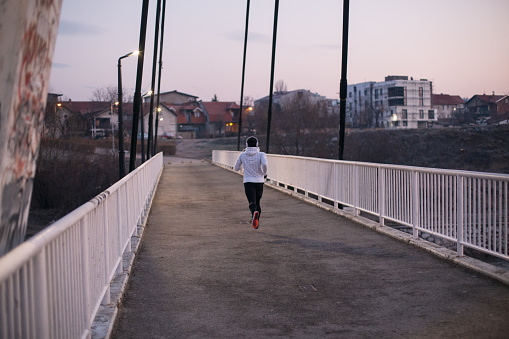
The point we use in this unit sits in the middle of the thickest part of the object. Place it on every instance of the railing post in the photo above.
(415, 204)
(459, 207)
(106, 299)
(381, 195)
(85, 270)
(41, 291)
(356, 189)
(120, 267)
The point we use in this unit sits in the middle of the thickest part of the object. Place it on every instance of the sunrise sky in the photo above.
(461, 45)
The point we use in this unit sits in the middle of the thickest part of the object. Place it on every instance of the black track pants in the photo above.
(254, 192)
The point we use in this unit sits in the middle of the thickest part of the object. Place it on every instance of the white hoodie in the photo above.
(254, 163)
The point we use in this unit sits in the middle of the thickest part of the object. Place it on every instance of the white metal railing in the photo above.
(52, 285)
(468, 208)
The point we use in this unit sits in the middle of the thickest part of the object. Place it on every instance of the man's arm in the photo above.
(264, 163)
(238, 164)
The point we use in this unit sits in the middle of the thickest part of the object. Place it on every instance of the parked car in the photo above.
(145, 135)
(167, 135)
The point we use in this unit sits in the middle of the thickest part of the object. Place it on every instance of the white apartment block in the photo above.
(395, 103)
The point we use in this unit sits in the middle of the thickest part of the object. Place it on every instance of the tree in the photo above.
(300, 127)
(280, 86)
(110, 94)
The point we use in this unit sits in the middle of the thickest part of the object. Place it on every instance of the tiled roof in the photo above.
(219, 111)
(446, 99)
(486, 98)
(86, 107)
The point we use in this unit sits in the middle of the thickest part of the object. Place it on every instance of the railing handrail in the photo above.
(487, 175)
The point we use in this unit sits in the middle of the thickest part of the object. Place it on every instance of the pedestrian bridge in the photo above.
(202, 271)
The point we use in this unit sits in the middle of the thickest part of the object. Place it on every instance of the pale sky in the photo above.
(461, 45)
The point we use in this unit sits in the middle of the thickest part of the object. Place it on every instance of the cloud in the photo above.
(253, 37)
(78, 28)
(60, 65)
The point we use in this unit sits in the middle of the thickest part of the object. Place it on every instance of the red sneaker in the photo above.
(256, 216)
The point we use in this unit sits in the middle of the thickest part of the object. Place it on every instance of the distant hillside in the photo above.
(484, 149)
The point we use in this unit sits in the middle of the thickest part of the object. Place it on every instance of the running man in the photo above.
(255, 170)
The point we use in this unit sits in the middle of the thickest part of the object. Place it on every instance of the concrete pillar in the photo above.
(28, 31)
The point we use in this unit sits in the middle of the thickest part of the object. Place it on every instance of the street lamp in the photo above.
(121, 155)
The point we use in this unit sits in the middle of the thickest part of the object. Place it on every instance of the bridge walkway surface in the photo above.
(202, 271)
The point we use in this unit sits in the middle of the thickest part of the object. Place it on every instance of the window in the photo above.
(405, 123)
(350, 94)
(365, 92)
(396, 92)
(421, 101)
(381, 92)
(431, 114)
(404, 114)
(421, 92)
(376, 93)
(421, 114)
(397, 102)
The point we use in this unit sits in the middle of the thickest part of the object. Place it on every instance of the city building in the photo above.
(395, 103)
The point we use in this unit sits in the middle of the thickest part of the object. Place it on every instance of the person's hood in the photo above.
(252, 150)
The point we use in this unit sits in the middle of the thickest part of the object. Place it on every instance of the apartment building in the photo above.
(397, 102)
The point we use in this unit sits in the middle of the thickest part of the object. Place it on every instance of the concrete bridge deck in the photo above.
(202, 271)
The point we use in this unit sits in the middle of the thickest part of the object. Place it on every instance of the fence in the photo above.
(468, 208)
(52, 285)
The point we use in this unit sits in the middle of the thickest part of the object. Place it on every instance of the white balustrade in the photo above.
(51, 286)
(468, 208)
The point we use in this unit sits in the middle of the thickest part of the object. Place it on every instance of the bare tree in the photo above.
(110, 94)
(300, 127)
(280, 86)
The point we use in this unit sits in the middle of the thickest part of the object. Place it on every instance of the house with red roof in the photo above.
(190, 119)
(222, 118)
(482, 107)
(448, 108)
(502, 116)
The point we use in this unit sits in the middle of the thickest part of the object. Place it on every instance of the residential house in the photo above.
(69, 118)
(190, 119)
(502, 116)
(480, 108)
(222, 118)
(397, 102)
(448, 107)
(174, 97)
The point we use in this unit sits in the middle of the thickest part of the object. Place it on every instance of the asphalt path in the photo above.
(202, 271)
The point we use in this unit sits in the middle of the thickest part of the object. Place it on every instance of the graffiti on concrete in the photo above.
(29, 30)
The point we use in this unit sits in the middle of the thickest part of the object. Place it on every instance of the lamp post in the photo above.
(121, 155)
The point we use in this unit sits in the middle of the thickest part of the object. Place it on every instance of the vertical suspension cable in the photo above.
(163, 15)
(243, 74)
(273, 60)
